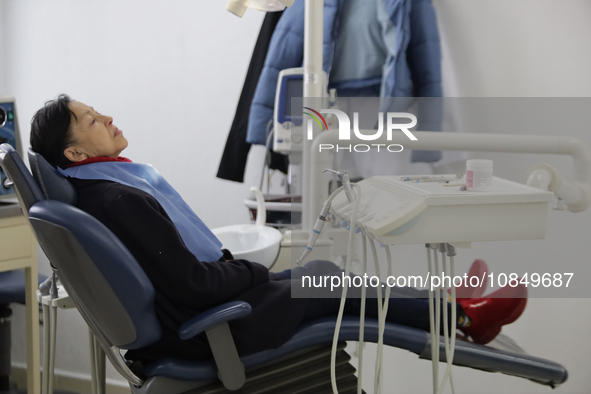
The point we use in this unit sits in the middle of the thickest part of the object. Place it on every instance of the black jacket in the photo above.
(186, 286)
(235, 154)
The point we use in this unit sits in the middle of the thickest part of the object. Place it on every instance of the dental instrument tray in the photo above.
(397, 211)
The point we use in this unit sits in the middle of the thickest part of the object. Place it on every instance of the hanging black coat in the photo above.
(235, 154)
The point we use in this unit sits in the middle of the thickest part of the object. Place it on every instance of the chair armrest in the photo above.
(213, 317)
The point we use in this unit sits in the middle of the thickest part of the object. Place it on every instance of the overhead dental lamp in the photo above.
(238, 7)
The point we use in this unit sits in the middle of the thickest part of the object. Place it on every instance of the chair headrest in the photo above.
(27, 190)
(53, 184)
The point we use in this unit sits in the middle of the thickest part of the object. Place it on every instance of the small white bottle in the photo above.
(479, 175)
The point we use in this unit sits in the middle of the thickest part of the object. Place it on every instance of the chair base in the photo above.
(306, 371)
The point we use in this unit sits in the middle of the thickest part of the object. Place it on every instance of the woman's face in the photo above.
(94, 134)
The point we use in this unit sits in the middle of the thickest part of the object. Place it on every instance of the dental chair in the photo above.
(116, 299)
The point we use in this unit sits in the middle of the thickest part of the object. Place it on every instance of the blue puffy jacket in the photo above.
(412, 66)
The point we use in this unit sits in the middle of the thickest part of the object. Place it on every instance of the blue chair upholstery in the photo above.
(115, 289)
(52, 184)
(116, 299)
(12, 287)
(28, 192)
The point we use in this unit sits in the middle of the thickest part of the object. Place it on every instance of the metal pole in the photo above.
(313, 40)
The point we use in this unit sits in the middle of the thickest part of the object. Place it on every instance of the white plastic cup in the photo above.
(479, 175)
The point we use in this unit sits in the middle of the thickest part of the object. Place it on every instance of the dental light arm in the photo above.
(546, 177)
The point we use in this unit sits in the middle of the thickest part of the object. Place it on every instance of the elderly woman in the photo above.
(183, 259)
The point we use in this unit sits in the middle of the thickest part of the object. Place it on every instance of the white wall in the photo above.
(2, 46)
(523, 48)
(170, 73)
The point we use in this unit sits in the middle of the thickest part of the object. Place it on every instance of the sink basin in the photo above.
(254, 242)
(259, 244)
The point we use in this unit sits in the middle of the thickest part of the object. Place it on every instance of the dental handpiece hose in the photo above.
(443, 249)
(435, 334)
(344, 178)
(318, 226)
(347, 185)
(451, 253)
(362, 318)
(333, 354)
(380, 308)
(432, 321)
(382, 325)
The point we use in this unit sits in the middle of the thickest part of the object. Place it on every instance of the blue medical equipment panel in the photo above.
(291, 86)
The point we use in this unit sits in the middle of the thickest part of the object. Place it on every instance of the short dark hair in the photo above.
(51, 132)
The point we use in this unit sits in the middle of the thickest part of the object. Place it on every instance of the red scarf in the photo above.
(99, 159)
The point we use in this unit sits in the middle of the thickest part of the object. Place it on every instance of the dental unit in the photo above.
(429, 210)
(393, 210)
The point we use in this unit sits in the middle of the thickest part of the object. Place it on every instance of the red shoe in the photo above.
(465, 291)
(490, 313)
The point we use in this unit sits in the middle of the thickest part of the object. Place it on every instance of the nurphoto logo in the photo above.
(345, 130)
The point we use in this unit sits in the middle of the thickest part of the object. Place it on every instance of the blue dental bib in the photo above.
(195, 234)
